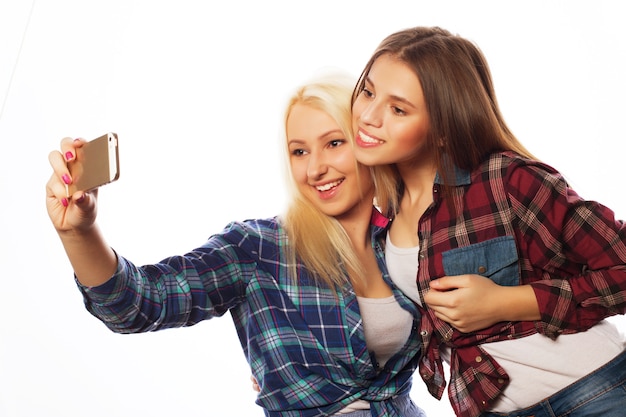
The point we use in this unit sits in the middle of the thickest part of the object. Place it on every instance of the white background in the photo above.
(196, 90)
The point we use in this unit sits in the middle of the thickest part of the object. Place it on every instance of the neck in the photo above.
(368, 282)
(356, 224)
(418, 183)
(417, 197)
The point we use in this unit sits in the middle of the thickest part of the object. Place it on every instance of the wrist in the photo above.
(521, 304)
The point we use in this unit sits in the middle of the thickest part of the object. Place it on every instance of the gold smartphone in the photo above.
(96, 164)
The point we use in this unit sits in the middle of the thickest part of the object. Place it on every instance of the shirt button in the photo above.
(500, 381)
(482, 269)
(424, 333)
(478, 359)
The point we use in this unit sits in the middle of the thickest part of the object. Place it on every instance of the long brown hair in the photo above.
(466, 124)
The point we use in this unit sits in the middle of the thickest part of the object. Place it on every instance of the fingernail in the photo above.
(66, 178)
(69, 156)
(64, 202)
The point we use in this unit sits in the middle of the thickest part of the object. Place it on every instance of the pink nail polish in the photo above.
(64, 202)
(69, 155)
(66, 179)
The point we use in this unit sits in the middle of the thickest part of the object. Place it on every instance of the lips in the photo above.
(328, 186)
(366, 141)
(328, 190)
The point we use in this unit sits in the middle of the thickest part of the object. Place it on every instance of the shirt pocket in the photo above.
(495, 259)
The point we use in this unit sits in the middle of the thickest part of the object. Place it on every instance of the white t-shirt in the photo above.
(537, 365)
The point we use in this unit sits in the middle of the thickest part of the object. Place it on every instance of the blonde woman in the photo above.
(308, 295)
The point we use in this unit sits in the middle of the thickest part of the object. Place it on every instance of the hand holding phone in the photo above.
(96, 164)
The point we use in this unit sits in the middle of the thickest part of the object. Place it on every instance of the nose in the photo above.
(369, 113)
(317, 165)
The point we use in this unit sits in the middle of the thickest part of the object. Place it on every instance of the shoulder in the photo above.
(261, 225)
(267, 229)
(512, 160)
(511, 166)
(529, 184)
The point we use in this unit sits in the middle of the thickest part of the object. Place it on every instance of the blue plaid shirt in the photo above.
(304, 342)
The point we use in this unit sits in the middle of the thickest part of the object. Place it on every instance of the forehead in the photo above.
(393, 78)
(307, 122)
(389, 70)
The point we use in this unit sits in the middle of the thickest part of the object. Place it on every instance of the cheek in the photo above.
(357, 109)
(365, 178)
(364, 172)
(355, 124)
(413, 134)
(346, 162)
(298, 171)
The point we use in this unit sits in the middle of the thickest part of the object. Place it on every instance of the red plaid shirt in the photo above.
(516, 221)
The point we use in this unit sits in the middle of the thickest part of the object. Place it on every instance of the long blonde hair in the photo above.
(315, 239)
(465, 120)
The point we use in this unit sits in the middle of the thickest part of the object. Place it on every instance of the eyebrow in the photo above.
(393, 96)
(325, 135)
(332, 133)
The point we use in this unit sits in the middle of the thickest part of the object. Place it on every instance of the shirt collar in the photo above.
(378, 219)
(458, 175)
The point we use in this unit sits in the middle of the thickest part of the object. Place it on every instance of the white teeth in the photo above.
(328, 186)
(368, 139)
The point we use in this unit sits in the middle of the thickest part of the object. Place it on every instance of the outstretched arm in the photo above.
(74, 218)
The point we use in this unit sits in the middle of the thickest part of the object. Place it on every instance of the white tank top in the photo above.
(387, 327)
(537, 366)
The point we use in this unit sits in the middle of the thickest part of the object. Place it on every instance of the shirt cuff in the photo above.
(111, 290)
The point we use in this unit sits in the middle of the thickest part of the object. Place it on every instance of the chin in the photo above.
(367, 159)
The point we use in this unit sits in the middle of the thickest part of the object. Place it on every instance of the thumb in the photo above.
(444, 284)
(83, 209)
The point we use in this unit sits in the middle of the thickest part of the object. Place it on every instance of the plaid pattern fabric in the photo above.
(305, 343)
(572, 252)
